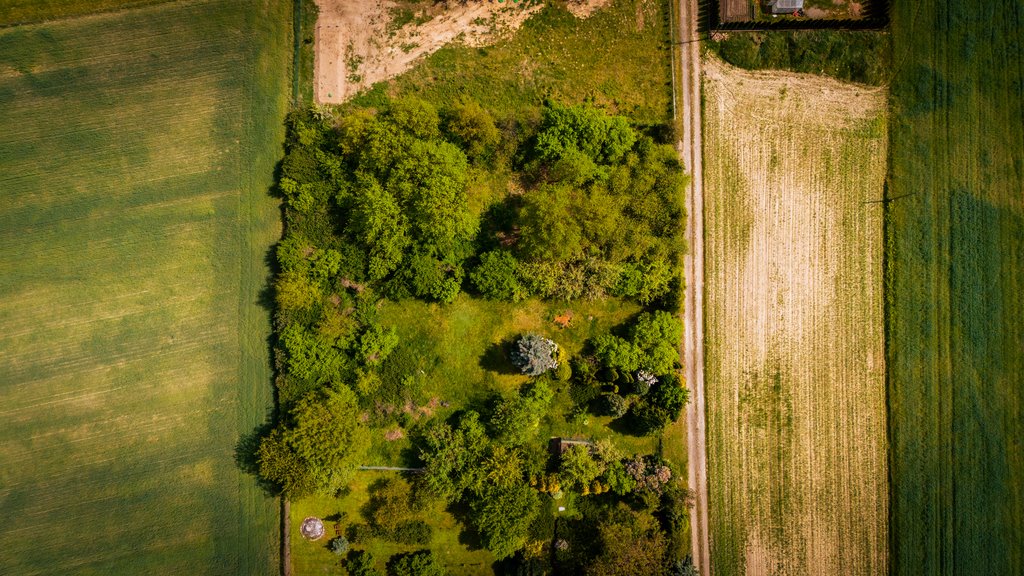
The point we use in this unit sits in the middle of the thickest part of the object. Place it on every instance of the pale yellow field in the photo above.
(796, 409)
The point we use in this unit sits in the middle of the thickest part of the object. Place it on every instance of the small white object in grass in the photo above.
(561, 508)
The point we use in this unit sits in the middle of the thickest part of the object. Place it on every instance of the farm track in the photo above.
(796, 431)
(691, 151)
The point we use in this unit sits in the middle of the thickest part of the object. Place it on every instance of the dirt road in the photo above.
(693, 264)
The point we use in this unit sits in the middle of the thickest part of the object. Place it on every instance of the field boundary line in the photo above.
(691, 150)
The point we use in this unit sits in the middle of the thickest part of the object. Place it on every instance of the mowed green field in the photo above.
(136, 151)
(956, 278)
(796, 420)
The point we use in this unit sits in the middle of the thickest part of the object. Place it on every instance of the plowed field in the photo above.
(795, 374)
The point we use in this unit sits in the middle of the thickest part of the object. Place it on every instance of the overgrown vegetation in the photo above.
(434, 263)
(846, 55)
(378, 205)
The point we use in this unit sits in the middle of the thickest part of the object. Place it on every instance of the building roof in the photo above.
(786, 6)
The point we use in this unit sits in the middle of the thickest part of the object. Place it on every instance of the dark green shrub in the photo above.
(412, 532)
(360, 563)
(498, 277)
(422, 563)
(615, 406)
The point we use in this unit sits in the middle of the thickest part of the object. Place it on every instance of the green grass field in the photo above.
(796, 413)
(137, 149)
(14, 12)
(956, 275)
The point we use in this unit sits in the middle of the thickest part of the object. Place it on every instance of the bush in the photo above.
(361, 533)
(497, 277)
(661, 406)
(360, 563)
(615, 406)
(422, 563)
(339, 546)
(472, 127)
(563, 372)
(416, 116)
(516, 420)
(534, 355)
(412, 532)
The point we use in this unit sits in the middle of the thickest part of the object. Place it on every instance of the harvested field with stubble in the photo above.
(137, 148)
(794, 167)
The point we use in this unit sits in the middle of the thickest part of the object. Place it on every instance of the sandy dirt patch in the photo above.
(584, 8)
(356, 45)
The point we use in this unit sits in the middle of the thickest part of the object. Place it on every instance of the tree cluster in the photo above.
(601, 216)
(484, 466)
(634, 376)
(317, 446)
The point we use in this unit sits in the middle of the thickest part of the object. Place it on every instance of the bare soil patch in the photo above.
(356, 47)
(584, 8)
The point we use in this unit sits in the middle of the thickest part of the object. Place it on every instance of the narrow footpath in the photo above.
(693, 265)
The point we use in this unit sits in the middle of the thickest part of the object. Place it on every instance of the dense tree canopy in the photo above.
(451, 454)
(652, 345)
(317, 448)
(503, 516)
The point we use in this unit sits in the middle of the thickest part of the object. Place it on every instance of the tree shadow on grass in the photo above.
(496, 359)
(247, 456)
(468, 536)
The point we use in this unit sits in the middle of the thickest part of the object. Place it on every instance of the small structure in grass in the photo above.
(312, 528)
(785, 6)
(558, 445)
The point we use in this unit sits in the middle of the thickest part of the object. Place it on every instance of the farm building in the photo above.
(785, 6)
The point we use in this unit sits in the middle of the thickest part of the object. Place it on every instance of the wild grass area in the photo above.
(138, 148)
(955, 249)
(794, 171)
(620, 57)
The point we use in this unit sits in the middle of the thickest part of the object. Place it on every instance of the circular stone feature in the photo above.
(312, 528)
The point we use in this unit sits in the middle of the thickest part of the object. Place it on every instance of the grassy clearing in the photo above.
(956, 323)
(795, 358)
(620, 57)
(138, 147)
(459, 352)
(459, 552)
